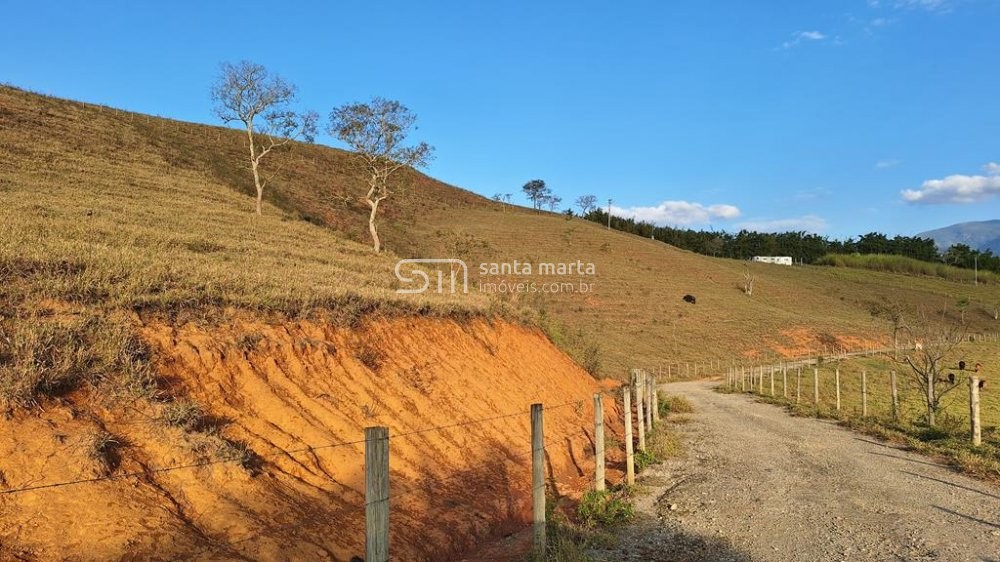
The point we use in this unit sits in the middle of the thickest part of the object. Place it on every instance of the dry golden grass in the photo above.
(97, 226)
(637, 318)
(139, 213)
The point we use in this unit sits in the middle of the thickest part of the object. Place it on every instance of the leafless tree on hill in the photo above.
(748, 280)
(553, 202)
(247, 93)
(586, 203)
(895, 315)
(926, 362)
(376, 132)
(500, 198)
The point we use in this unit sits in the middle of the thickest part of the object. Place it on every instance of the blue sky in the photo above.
(837, 117)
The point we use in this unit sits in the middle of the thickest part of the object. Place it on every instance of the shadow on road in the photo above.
(967, 517)
(914, 461)
(966, 488)
(655, 543)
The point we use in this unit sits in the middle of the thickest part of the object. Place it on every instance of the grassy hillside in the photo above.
(99, 224)
(113, 207)
(908, 266)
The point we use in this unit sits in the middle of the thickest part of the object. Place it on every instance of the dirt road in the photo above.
(757, 484)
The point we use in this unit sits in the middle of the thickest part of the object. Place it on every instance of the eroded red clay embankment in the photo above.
(294, 393)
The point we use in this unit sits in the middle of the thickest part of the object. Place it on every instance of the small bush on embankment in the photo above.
(606, 507)
(673, 404)
(45, 357)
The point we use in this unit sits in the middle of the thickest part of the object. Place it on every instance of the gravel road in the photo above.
(758, 484)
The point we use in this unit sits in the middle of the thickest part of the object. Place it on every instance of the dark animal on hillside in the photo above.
(690, 299)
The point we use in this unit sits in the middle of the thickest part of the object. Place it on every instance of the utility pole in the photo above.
(609, 214)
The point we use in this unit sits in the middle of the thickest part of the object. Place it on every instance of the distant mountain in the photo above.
(983, 235)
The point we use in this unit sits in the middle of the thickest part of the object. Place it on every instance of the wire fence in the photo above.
(349, 503)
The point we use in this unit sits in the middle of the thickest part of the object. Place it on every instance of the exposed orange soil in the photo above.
(289, 391)
(804, 341)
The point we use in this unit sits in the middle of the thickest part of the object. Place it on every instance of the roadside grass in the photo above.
(908, 266)
(949, 441)
(574, 534)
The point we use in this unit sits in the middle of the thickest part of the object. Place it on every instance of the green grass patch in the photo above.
(908, 266)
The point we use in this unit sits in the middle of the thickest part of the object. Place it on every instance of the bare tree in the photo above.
(553, 202)
(586, 203)
(246, 92)
(500, 198)
(376, 132)
(748, 280)
(927, 367)
(894, 314)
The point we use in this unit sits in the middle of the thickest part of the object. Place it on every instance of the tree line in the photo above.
(804, 247)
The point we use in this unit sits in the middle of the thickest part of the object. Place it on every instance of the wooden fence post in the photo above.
(784, 380)
(647, 380)
(895, 396)
(837, 379)
(798, 385)
(598, 443)
(656, 401)
(977, 429)
(864, 393)
(743, 379)
(377, 494)
(772, 381)
(629, 452)
(760, 381)
(639, 414)
(816, 387)
(538, 478)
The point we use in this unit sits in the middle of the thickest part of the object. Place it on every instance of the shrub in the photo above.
(674, 405)
(104, 449)
(590, 359)
(644, 459)
(371, 357)
(605, 508)
(185, 414)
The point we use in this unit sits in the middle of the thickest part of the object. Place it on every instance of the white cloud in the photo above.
(929, 5)
(678, 213)
(800, 36)
(892, 163)
(808, 223)
(957, 188)
(812, 194)
(926, 5)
